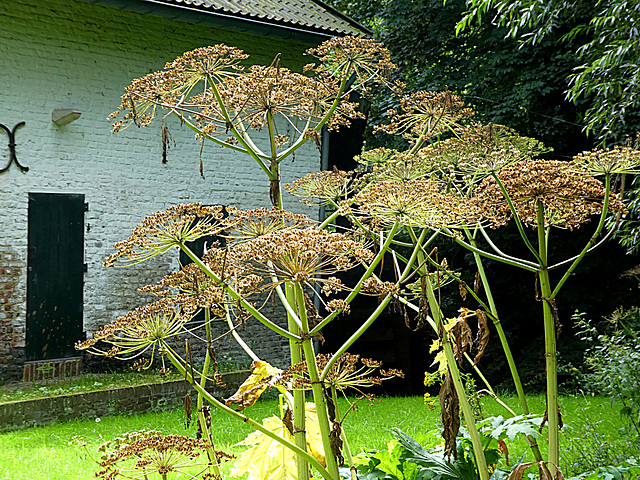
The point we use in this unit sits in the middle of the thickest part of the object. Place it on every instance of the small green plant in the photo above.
(612, 368)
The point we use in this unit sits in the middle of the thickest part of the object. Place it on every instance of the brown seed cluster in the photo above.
(172, 86)
(322, 188)
(349, 371)
(143, 453)
(415, 203)
(340, 56)
(476, 151)
(210, 87)
(568, 198)
(304, 256)
(162, 231)
(423, 114)
(610, 161)
(140, 330)
(190, 289)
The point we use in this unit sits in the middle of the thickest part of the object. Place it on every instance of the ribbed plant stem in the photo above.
(551, 354)
(522, 398)
(211, 453)
(299, 413)
(179, 365)
(317, 386)
(465, 406)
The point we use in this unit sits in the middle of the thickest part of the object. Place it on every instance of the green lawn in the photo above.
(49, 452)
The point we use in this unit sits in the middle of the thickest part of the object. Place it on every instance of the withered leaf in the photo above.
(262, 376)
(187, 408)
(502, 448)
(482, 336)
(449, 416)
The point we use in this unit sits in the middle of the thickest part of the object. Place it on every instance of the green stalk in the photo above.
(551, 358)
(233, 294)
(522, 398)
(299, 411)
(356, 289)
(515, 217)
(592, 240)
(357, 334)
(328, 114)
(467, 412)
(275, 165)
(236, 335)
(176, 361)
(465, 406)
(213, 458)
(317, 386)
(345, 443)
(520, 264)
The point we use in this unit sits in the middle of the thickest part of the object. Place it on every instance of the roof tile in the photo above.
(312, 15)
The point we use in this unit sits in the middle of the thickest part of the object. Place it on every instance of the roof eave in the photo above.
(217, 19)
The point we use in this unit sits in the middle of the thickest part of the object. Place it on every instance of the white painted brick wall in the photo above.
(69, 53)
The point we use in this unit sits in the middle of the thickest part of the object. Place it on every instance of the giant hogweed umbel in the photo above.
(457, 178)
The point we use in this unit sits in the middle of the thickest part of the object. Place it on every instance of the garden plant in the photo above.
(456, 178)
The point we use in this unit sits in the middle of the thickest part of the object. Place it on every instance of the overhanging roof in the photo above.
(304, 20)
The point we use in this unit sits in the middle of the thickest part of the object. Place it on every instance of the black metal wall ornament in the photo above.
(12, 147)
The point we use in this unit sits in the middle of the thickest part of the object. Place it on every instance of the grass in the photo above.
(49, 452)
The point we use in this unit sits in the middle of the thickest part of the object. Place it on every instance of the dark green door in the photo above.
(55, 275)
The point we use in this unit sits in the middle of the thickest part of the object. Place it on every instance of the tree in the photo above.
(521, 87)
(608, 48)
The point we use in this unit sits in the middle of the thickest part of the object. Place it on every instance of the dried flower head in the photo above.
(343, 56)
(191, 289)
(172, 86)
(414, 203)
(348, 371)
(322, 188)
(423, 114)
(477, 150)
(140, 330)
(162, 231)
(246, 225)
(610, 161)
(264, 93)
(302, 255)
(144, 453)
(568, 198)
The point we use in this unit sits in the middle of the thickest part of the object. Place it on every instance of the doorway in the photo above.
(55, 267)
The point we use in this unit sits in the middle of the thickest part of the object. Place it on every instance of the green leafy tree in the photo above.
(505, 82)
(608, 51)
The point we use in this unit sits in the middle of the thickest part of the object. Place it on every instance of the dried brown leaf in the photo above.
(482, 336)
(449, 416)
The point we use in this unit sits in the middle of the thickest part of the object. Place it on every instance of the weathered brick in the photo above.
(71, 53)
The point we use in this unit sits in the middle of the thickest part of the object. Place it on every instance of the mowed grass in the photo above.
(49, 452)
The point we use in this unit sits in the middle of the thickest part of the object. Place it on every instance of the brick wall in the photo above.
(70, 53)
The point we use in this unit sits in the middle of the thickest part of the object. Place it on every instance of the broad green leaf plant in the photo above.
(457, 179)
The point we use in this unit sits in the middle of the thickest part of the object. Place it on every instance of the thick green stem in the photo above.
(465, 406)
(213, 458)
(522, 398)
(551, 354)
(317, 386)
(345, 443)
(299, 412)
